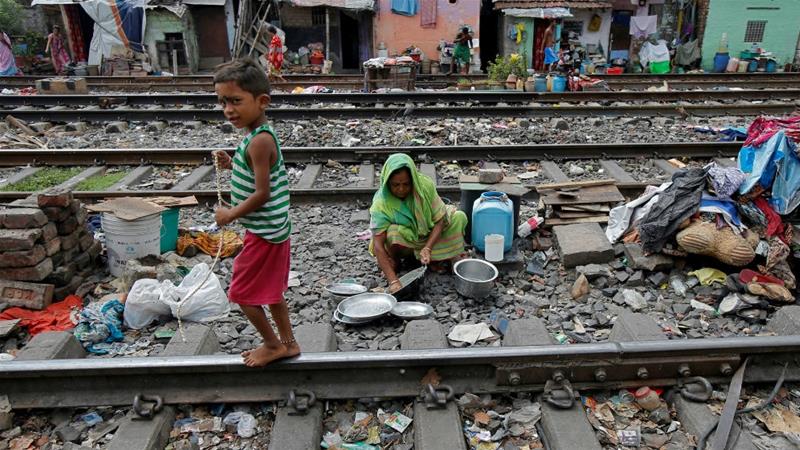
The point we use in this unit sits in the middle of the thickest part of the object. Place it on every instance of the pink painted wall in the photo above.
(399, 32)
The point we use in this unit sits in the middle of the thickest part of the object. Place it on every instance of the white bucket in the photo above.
(130, 239)
(494, 244)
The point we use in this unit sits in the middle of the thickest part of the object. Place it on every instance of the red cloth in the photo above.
(260, 272)
(774, 223)
(275, 55)
(763, 128)
(56, 317)
(427, 13)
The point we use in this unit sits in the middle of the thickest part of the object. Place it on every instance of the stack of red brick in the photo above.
(46, 251)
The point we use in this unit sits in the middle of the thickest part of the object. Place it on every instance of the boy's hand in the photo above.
(223, 216)
(225, 161)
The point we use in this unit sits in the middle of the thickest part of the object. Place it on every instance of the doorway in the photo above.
(540, 26)
(620, 35)
(489, 27)
(212, 35)
(351, 41)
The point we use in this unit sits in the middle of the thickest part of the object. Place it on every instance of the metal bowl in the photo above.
(337, 316)
(411, 283)
(367, 306)
(345, 289)
(474, 277)
(412, 310)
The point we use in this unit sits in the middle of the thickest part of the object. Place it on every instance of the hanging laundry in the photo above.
(687, 53)
(405, 7)
(643, 26)
(427, 13)
(520, 27)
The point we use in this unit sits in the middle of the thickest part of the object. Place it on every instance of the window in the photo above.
(755, 30)
(575, 26)
(318, 15)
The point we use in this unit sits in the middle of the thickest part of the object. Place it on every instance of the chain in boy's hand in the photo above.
(223, 159)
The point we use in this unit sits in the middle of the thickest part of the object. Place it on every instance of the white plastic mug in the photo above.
(494, 244)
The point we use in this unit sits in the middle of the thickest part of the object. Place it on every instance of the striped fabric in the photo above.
(271, 221)
(450, 243)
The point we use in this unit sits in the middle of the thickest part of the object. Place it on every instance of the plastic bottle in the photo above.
(723, 44)
(647, 398)
(525, 228)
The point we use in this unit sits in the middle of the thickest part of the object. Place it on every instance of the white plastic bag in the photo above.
(144, 305)
(207, 303)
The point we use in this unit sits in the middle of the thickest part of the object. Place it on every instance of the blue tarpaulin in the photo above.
(775, 167)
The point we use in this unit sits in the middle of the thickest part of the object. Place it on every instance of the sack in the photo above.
(208, 302)
(144, 305)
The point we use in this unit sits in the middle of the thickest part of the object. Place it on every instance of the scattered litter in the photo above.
(470, 333)
(707, 275)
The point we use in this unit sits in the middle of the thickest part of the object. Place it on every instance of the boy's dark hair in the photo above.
(465, 30)
(246, 73)
(272, 29)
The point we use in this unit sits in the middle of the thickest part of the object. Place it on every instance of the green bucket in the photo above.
(169, 229)
(659, 67)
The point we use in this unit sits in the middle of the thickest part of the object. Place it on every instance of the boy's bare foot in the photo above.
(292, 349)
(265, 354)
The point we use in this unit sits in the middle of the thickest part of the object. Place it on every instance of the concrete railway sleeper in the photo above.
(556, 404)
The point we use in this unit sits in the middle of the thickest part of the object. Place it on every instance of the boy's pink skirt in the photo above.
(260, 272)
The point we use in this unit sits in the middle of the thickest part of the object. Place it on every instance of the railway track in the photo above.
(143, 162)
(484, 98)
(95, 114)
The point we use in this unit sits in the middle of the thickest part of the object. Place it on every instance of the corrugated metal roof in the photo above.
(573, 4)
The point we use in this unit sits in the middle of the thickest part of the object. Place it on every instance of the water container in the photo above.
(559, 84)
(169, 229)
(721, 62)
(494, 247)
(752, 66)
(733, 64)
(540, 84)
(492, 213)
(130, 239)
(743, 66)
(771, 65)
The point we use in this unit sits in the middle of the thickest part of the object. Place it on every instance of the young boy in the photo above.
(260, 201)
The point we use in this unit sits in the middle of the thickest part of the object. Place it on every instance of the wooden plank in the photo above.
(725, 162)
(594, 194)
(190, 181)
(554, 172)
(575, 215)
(586, 208)
(367, 172)
(665, 166)
(616, 172)
(554, 221)
(574, 184)
(429, 170)
(309, 176)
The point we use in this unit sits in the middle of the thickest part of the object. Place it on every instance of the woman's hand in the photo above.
(425, 256)
(395, 286)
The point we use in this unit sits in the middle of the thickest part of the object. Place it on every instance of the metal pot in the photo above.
(474, 277)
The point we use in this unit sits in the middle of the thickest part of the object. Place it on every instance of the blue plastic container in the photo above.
(559, 84)
(771, 65)
(492, 213)
(753, 66)
(540, 84)
(721, 62)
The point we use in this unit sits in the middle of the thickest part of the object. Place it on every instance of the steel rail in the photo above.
(143, 115)
(341, 375)
(119, 156)
(487, 97)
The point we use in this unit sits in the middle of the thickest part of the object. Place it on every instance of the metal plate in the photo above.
(412, 310)
(337, 316)
(345, 289)
(369, 305)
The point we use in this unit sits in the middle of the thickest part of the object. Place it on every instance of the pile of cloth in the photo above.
(739, 215)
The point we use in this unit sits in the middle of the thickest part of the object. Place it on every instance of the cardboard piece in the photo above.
(127, 208)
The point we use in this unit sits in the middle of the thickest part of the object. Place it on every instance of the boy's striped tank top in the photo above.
(270, 221)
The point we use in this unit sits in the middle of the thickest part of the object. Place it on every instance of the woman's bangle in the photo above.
(393, 282)
(426, 248)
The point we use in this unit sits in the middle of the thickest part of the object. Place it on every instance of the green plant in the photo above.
(463, 81)
(34, 44)
(503, 66)
(10, 15)
(43, 179)
(100, 182)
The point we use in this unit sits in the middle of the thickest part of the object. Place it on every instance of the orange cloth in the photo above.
(209, 243)
(56, 317)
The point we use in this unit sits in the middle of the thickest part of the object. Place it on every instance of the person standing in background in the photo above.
(8, 67)
(58, 52)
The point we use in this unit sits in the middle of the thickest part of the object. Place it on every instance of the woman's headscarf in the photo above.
(417, 213)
